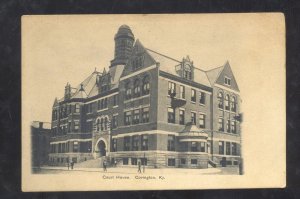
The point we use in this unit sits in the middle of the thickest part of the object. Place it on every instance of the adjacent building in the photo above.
(149, 107)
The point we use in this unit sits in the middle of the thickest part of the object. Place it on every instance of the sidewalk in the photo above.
(133, 170)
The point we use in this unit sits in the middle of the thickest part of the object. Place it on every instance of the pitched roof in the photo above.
(168, 64)
(85, 87)
(214, 73)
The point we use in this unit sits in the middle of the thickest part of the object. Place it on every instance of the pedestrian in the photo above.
(104, 166)
(115, 163)
(72, 164)
(139, 167)
(68, 164)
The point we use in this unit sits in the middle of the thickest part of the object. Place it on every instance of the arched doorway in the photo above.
(101, 148)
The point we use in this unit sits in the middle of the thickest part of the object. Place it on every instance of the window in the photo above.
(233, 127)
(234, 148)
(221, 124)
(233, 104)
(135, 143)
(187, 72)
(144, 142)
(221, 147)
(75, 146)
(145, 115)
(193, 95)
(127, 143)
(76, 125)
(115, 100)
(202, 146)
(227, 81)
(146, 85)
(105, 123)
(133, 161)
(171, 162)
(193, 118)
(220, 99)
(98, 124)
(136, 116)
(77, 108)
(228, 126)
(194, 146)
(194, 161)
(182, 161)
(171, 142)
(137, 62)
(181, 117)
(105, 103)
(101, 124)
(89, 108)
(137, 88)
(182, 92)
(202, 98)
(227, 148)
(125, 161)
(114, 121)
(227, 102)
(99, 105)
(171, 115)
(127, 118)
(172, 89)
(127, 91)
(202, 120)
(114, 145)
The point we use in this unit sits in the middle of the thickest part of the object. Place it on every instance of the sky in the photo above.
(58, 49)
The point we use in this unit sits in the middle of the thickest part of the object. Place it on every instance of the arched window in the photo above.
(127, 91)
(146, 85)
(98, 124)
(137, 88)
(101, 123)
(220, 99)
(233, 104)
(105, 124)
(227, 102)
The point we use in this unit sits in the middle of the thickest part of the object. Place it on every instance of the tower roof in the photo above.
(124, 30)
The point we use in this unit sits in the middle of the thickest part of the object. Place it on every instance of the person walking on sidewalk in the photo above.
(104, 166)
(139, 167)
(72, 164)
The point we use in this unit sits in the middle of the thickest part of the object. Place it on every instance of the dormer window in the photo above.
(187, 69)
(137, 62)
(187, 72)
(227, 81)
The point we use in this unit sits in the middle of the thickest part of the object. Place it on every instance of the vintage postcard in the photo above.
(153, 102)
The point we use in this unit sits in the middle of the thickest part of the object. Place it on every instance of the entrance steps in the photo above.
(93, 163)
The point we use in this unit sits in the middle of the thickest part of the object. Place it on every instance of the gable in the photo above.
(227, 73)
(138, 60)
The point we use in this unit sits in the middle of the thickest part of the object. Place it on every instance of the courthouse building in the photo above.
(149, 107)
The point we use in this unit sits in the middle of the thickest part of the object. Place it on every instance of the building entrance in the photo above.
(101, 148)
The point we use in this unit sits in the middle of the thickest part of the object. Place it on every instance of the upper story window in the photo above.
(114, 121)
(228, 126)
(76, 125)
(193, 118)
(135, 143)
(77, 108)
(228, 148)
(146, 85)
(202, 120)
(145, 115)
(171, 115)
(193, 95)
(137, 88)
(233, 126)
(182, 92)
(233, 104)
(202, 98)
(127, 91)
(187, 71)
(127, 118)
(233, 148)
(136, 116)
(89, 108)
(221, 124)
(220, 99)
(181, 117)
(127, 143)
(227, 81)
(227, 102)
(114, 145)
(115, 100)
(172, 89)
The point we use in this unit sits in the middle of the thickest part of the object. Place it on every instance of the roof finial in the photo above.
(81, 87)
